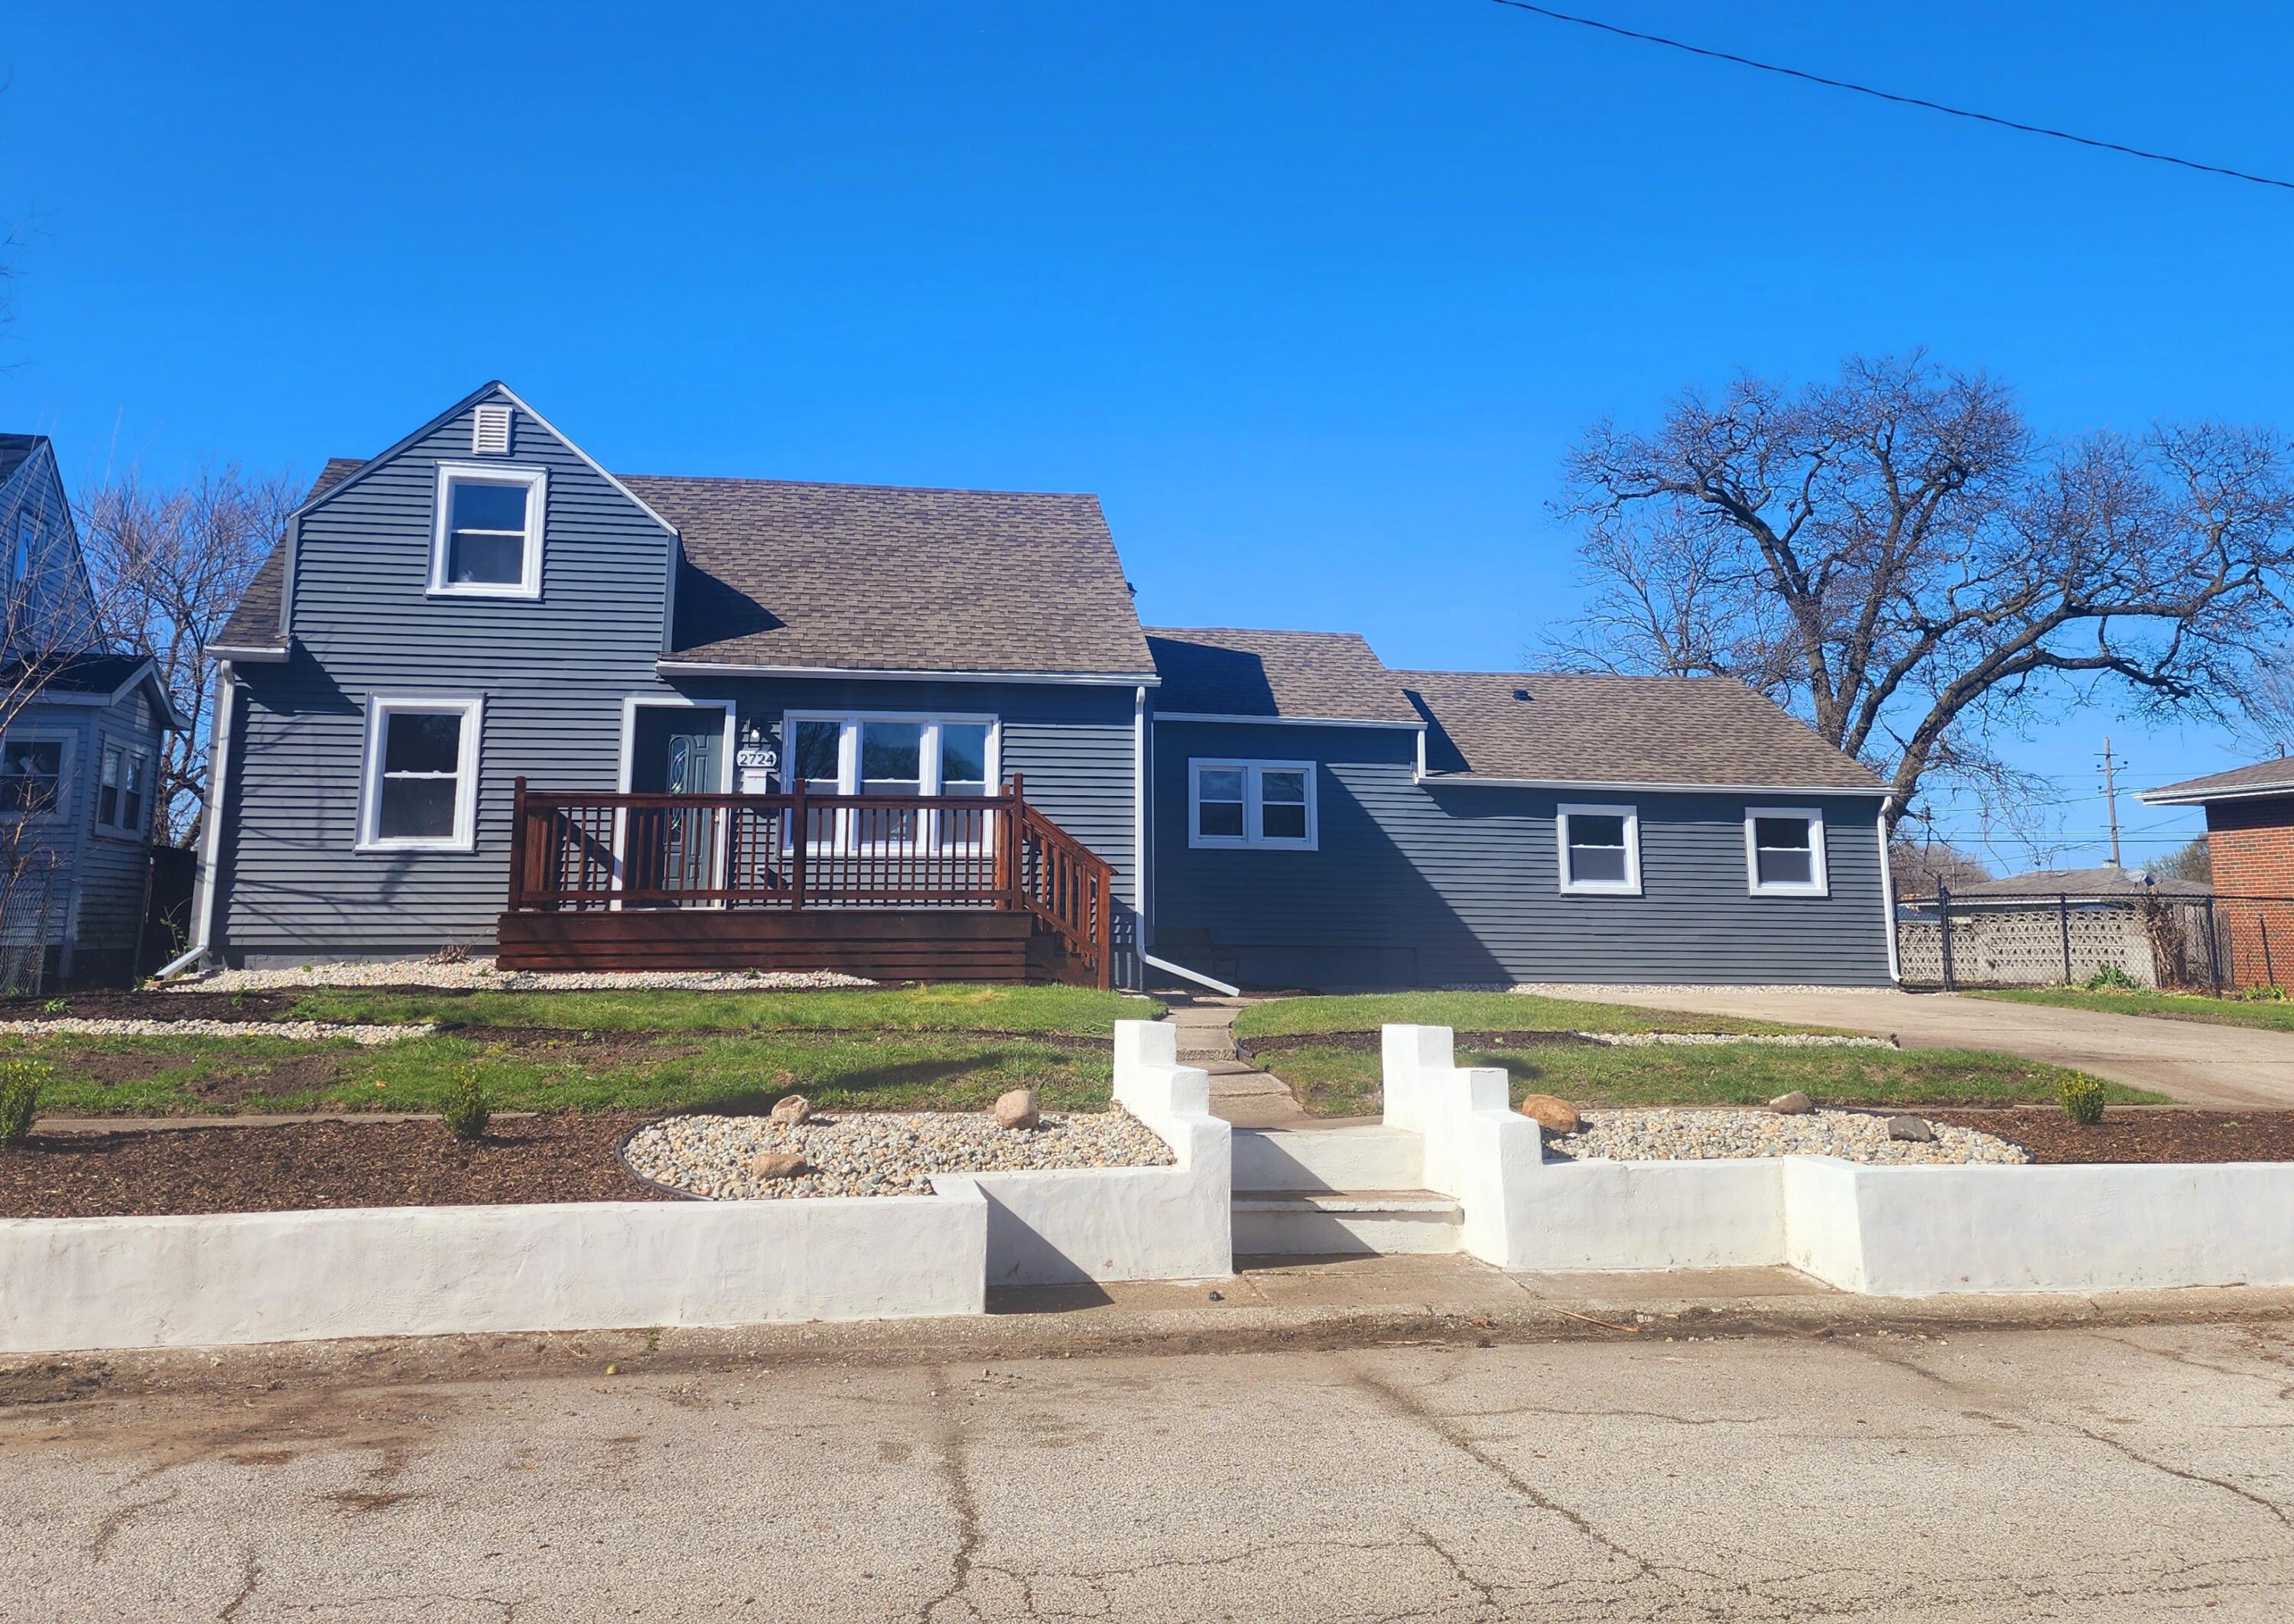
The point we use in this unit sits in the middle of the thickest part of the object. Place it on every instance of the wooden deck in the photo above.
(894, 888)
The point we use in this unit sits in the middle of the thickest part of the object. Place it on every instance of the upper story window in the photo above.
(1251, 803)
(1601, 849)
(488, 540)
(32, 773)
(20, 551)
(418, 789)
(1784, 851)
(123, 789)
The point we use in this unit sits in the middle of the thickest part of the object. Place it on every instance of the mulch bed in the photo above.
(318, 1165)
(2148, 1133)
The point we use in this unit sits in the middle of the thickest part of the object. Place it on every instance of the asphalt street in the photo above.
(2128, 1471)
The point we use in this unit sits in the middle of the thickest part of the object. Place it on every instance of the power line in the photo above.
(1887, 96)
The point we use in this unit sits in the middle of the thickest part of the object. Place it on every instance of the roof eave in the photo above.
(2177, 795)
(1876, 790)
(715, 668)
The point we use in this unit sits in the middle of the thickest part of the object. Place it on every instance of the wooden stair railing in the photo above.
(573, 852)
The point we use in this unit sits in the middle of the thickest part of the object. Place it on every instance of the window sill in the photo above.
(1600, 890)
(391, 847)
(1791, 890)
(531, 594)
(1199, 844)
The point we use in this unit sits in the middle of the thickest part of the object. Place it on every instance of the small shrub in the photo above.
(2110, 978)
(2082, 1098)
(20, 1081)
(465, 1109)
(57, 1006)
(452, 952)
(2264, 994)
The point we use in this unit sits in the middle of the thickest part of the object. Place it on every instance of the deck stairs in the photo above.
(1311, 1192)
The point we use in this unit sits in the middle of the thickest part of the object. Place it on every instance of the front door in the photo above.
(675, 749)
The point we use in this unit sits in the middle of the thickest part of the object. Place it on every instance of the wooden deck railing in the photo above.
(578, 852)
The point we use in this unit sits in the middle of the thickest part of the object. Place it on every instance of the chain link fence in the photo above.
(33, 902)
(2215, 943)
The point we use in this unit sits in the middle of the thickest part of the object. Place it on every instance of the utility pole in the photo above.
(2110, 796)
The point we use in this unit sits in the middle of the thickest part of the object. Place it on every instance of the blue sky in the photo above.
(1313, 295)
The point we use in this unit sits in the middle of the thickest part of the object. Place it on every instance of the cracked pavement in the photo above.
(2090, 1473)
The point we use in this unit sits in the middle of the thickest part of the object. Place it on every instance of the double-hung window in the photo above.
(895, 757)
(1269, 804)
(32, 774)
(1784, 851)
(419, 788)
(123, 789)
(1601, 849)
(488, 538)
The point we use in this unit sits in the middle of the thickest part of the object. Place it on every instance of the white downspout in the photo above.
(1139, 821)
(1888, 892)
(211, 831)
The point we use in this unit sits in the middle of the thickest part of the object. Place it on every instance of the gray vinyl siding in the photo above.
(1452, 885)
(94, 910)
(59, 612)
(554, 675)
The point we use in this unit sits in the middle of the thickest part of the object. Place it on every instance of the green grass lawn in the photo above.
(1475, 1012)
(575, 1071)
(2270, 1015)
(1071, 1012)
(1335, 1082)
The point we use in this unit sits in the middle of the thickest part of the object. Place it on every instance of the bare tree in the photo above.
(2265, 696)
(1897, 558)
(170, 563)
(2191, 862)
(1917, 866)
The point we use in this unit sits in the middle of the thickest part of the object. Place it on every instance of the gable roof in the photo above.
(93, 675)
(254, 622)
(15, 451)
(1570, 729)
(790, 576)
(2239, 783)
(1292, 676)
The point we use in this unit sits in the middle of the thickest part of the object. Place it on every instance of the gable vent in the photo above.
(489, 431)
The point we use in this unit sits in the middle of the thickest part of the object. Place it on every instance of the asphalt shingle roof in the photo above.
(1328, 676)
(2261, 778)
(894, 578)
(2104, 881)
(1600, 729)
(779, 572)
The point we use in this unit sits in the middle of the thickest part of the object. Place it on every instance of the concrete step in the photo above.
(1323, 1223)
(1367, 1158)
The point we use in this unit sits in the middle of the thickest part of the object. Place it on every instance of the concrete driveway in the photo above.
(2235, 1067)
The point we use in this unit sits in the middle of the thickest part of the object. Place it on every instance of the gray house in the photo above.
(80, 735)
(487, 693)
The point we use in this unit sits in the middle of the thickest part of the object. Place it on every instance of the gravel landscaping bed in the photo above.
(1703, 1135)
(2138, 1134)
(296, 1031)
(480, 974)
(1697, 1040)
(874, 1153)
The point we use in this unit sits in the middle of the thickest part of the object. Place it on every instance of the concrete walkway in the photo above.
(1241, 1093)
(2230, 1067)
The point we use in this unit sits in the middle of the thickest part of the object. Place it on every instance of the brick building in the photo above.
(2250, 842)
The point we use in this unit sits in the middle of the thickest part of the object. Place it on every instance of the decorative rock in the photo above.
(792, 1110)
(1793, 1104)
(777, 1164)
(1911, 1130)
(1662, 1134)
(1017, 1109)
(1551, 1112)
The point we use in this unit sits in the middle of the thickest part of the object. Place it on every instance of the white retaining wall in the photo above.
(68, 1283)
(1885, 1230)
(1125, 1223)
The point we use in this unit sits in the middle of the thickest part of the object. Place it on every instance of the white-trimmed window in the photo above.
(419, 790)
(870, 754)
(123, 789)
(488, 538)
(1238, 804)
(1601, 849)
(1784, 851)
(21, 551)
(35, 773)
